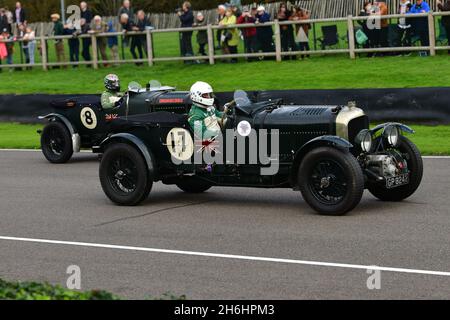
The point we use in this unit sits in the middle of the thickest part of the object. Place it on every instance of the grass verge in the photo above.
(46, 291)
(431, 140)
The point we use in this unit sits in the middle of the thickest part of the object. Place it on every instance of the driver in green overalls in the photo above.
(112, 97)
(203, 111)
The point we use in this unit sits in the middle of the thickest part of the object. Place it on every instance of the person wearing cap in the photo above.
(58, 30)
(264, 34)
(202, 35)
(250, 42)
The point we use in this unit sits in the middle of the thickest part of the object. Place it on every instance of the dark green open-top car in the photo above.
(326, 152)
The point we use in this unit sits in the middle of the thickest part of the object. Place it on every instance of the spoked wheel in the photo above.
(56, 143)
(331, 181)
(327, 182)
(415, 166)
(124, 175)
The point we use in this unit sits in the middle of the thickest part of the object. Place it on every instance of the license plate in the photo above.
(397, 181)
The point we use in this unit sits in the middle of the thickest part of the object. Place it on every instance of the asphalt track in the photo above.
(228, 243)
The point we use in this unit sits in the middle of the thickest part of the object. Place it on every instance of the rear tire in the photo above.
(193, 185)
(331, 181)
(56, 143)
(124, 175)
(415, 166)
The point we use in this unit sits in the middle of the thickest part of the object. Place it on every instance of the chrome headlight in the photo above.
(364, 140)
(392, 135)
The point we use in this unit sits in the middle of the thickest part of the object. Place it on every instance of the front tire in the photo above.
(56, 143)
(415, 166)
(331, 181)
(124, 175)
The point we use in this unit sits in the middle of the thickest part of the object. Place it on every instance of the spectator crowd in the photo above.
(255, 36)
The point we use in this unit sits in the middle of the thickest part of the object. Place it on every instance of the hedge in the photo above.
(46, 291)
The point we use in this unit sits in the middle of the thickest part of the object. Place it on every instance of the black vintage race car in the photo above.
(82, 123)
(326, 152)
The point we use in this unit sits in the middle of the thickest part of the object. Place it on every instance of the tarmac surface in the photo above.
(228, 243)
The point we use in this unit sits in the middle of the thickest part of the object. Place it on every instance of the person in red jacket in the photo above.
(250, 42)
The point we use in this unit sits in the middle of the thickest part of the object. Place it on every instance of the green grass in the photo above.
(330, 72)
(318, 72)
(19, 136)
(431, 140)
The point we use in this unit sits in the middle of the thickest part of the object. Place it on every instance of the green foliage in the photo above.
(45, 291)
(41, 10)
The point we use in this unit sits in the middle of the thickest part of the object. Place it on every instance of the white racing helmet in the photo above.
(202, 94)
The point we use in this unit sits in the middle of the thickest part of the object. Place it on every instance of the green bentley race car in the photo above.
(328, 153)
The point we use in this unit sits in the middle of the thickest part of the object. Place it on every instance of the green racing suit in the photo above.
(110, 99)
(208, 118)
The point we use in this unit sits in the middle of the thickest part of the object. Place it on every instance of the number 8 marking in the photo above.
(88, 118)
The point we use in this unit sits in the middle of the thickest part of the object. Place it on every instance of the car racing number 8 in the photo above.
(180, 144)
(88, 118)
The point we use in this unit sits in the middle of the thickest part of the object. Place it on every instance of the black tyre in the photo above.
(331, 181)
(124, 175)
(415, 166)
(56, 143)
(193, 185)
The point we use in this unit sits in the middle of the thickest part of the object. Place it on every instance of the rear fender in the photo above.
(76, 139)
(134, 141)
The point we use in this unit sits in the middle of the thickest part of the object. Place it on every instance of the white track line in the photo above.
(228, 256)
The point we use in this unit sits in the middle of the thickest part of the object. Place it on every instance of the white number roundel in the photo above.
(88, 118)
(180, 144)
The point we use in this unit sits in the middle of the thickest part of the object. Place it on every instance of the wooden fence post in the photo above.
(351, 37)
(211, 51)
(43, 48)
(277, 40)
(432, 33)
(94, 51)
(149, 48)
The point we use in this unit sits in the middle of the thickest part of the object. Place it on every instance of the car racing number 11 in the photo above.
(88, 118)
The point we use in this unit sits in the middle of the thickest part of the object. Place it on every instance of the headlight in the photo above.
(364, 140)
(391, 134)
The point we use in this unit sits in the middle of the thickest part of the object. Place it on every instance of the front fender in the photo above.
(333, 141)
(400, 126)
(76, 140)
(135, 141)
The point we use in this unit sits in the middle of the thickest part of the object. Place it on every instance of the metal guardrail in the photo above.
(352, 49)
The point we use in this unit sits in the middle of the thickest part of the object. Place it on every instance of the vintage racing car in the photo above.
(78, 123)
(326, 152)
